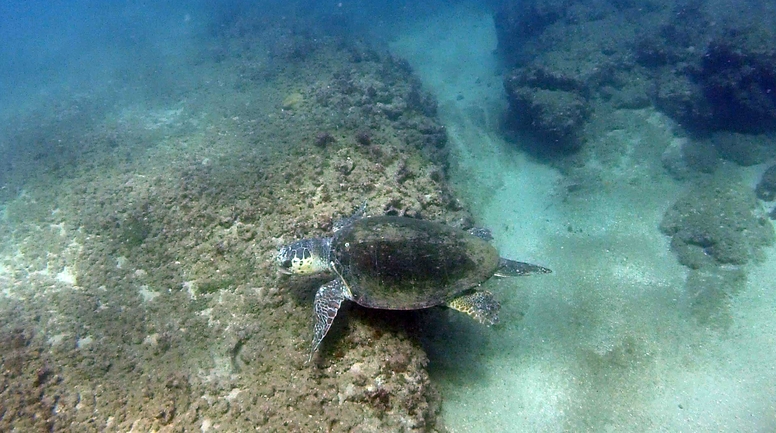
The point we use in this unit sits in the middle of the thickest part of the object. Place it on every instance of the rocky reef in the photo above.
(146, 296)
(716, 227)
(724, 87)
(710, 70)
(576, 72)
(552, 105)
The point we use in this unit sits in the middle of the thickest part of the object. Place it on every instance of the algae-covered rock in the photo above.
(716, 221)
(555, 116)
(738, 75)
(685, 158)
(744, 149)
(142, 291)
(766, 188)
(548, 104)
(293, 101)
(677, 95)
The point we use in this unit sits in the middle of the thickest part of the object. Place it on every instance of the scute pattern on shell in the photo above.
(401, 263)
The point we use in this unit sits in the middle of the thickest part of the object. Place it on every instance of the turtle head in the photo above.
(305, 257)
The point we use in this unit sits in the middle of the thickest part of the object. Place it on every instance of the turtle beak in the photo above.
(284, 261)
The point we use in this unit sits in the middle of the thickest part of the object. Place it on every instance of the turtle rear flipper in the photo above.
(481, 305)
(327, 302)
(512, 268)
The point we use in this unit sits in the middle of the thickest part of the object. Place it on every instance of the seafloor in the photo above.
(626, 145)
(137, 246)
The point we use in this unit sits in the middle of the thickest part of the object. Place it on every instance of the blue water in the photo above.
(616, 338)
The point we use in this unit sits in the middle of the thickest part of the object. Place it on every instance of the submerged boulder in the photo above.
(738, 77)
(728, 86)
(518, 22)
(744, 149)
(766, 188)
(716, 222)
(549, 105)
(680, 97)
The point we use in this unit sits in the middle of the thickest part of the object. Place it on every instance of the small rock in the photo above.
(766, 189)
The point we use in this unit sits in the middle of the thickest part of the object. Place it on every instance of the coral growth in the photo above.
(146, 296)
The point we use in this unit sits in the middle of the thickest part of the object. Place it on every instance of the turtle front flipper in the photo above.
(482, 233)
(327, 302)
(511, 268)
(481, 305)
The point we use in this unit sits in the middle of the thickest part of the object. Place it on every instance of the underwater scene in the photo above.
(388, 216)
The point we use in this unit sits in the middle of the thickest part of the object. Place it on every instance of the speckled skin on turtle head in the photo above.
(398, 263)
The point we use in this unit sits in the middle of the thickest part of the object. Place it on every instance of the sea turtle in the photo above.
(400, 263)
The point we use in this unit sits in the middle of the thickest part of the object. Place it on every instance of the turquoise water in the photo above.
(605, 343)
(126, 120)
